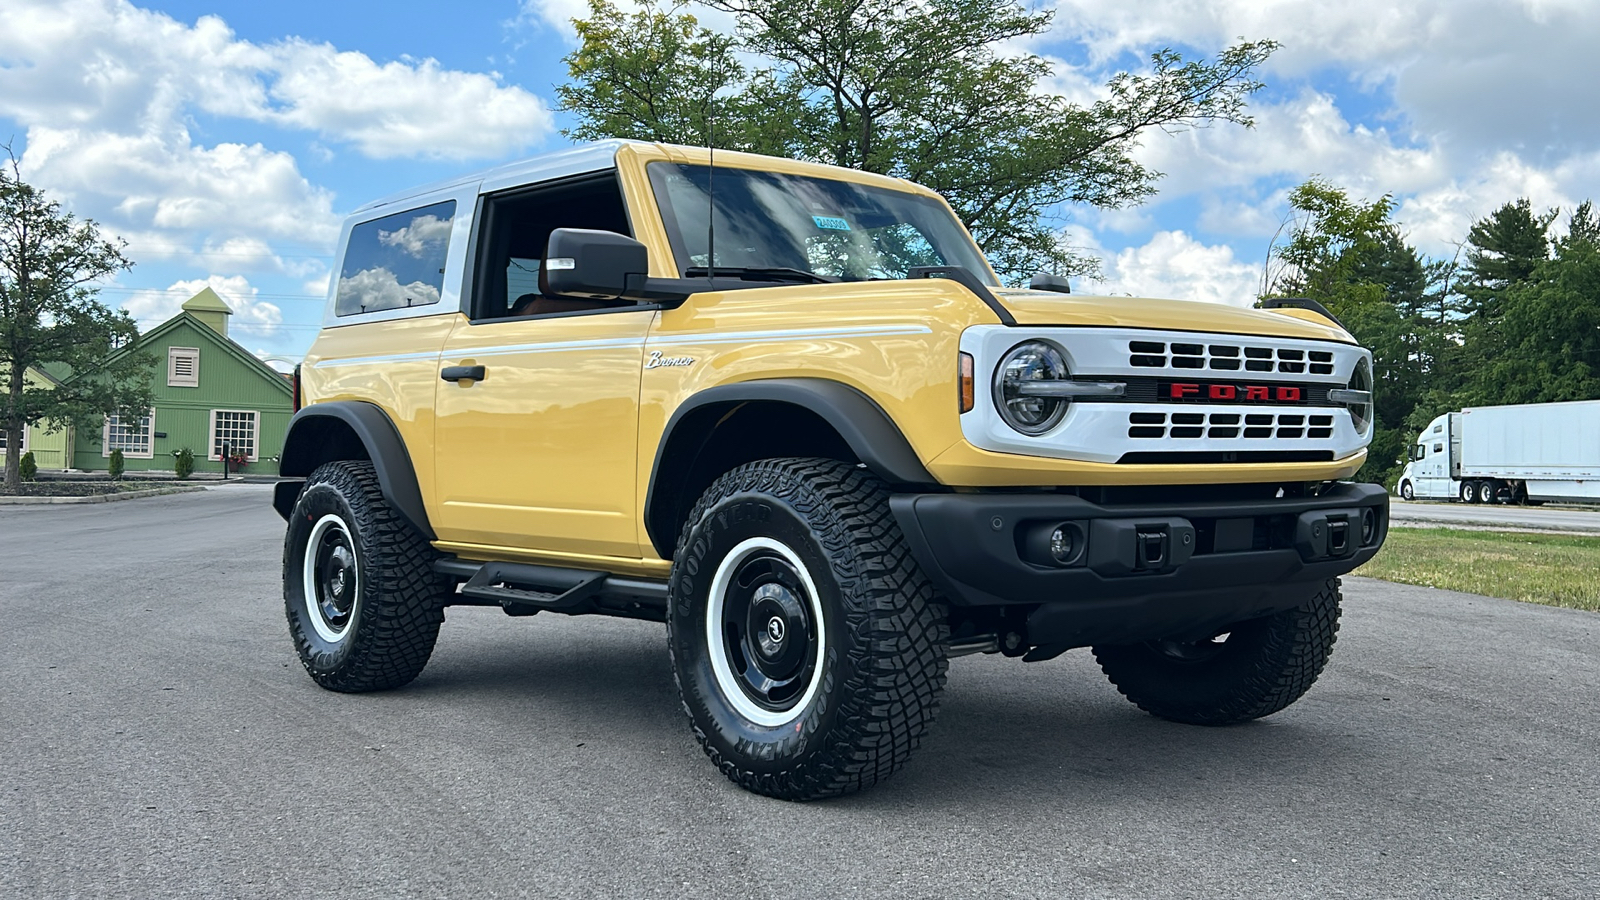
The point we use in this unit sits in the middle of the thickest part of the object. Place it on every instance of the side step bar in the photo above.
(524, 589)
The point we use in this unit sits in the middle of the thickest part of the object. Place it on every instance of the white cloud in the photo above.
(374, 289)
(251, 315)
(416, 238)
(108, 65)
(1176, 266)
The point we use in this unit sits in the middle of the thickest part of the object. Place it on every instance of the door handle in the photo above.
(459, 373)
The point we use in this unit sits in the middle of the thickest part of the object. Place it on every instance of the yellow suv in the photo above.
(788, 410)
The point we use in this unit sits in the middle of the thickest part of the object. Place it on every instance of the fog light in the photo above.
(1063, 547)
(1054, 544)
(1369, 527)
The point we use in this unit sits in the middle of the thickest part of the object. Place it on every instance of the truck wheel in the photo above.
(807, 646)
(1469, 492)
(363, 601)
(1487, 492)
(1254, 669)
(1405, 491)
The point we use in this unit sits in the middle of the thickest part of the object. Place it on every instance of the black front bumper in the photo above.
(1139, 572)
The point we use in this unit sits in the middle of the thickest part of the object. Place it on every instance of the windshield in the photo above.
(835, 229)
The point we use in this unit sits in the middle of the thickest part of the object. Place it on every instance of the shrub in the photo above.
(184, 466)
(28, 469)
(115, 465)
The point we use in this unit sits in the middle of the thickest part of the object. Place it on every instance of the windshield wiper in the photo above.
(761, 273)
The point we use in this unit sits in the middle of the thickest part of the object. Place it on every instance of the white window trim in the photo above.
(25, 430)
(255, 437)
(105, 440)
(173, 379)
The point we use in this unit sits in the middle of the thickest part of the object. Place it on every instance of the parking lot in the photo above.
(159, 738)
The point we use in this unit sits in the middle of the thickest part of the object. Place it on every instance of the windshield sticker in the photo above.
(831, 223)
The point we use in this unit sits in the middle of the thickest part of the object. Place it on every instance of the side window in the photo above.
(1419, 451)
(396, 262)
(517, 226)
(1438, 448)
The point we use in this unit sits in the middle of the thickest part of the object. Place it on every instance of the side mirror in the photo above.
(595, 265)
(1043, 282)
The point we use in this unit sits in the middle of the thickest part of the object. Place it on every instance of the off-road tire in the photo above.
(881, 675)
(397, 608)
(1264, 665)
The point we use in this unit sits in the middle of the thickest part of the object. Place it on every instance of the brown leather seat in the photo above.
(539, 304)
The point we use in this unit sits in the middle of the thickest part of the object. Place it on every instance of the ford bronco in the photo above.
(788, 410)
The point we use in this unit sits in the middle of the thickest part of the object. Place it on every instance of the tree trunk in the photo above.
(14, 426)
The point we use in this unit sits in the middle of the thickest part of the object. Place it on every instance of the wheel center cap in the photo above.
(775, 629)
(337, 582)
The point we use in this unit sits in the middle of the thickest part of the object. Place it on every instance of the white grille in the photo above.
(1185, 355)
(1226, 425)
(236, 429)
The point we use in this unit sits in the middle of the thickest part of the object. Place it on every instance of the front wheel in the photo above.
(363, 602)
(1250, 670)
(807, 647)
(1406, 493)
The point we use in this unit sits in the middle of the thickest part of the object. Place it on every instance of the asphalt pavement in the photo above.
(1539, 518)
(158, 738)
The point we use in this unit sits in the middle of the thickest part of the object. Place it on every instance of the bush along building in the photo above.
(210, 394)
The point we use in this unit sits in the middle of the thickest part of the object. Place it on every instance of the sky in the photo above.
(225, 142)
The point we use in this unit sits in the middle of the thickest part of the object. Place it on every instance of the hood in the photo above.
(1048, 308)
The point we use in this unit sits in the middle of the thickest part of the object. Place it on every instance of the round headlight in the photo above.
(1361, 380)
(1021, 387)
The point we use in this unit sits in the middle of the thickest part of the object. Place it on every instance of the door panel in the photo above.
(539, 455)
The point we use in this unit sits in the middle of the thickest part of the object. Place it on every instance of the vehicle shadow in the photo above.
(1007, 732)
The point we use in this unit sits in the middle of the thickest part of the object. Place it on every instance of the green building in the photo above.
(50, 448)
(210, 394)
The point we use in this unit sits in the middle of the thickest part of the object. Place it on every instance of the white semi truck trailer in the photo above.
(1531, 452)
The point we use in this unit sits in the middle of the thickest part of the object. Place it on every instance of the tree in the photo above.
(919, 89)
(1544, 344)
(50, 316)
(1347, 255)
(1505, 247)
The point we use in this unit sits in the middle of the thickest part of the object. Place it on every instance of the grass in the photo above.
(1552, 569)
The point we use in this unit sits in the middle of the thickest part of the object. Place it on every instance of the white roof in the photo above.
(592, 157)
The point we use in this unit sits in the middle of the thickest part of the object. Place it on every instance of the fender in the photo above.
(350, 429)
(868, 431)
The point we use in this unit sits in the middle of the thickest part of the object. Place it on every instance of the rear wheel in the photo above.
(362, 599)
(1249, 670)
(1487, 493)
(807, 647)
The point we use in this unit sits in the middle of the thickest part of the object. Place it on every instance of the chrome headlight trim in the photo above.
(1025, 387)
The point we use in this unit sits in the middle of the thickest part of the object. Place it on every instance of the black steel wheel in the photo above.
(807, 647)
(1246, 671)
(362, 599)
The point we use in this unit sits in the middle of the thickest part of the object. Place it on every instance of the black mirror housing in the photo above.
(1044, 282)
(595, 265)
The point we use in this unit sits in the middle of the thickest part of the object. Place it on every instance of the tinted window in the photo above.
(839, 229)
(396, 262)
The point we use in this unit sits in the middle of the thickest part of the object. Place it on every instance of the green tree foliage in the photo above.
(1543, 342)
(919, 89)
(49, 315)
(1504, 249)
(28, 468)
(1349, 256)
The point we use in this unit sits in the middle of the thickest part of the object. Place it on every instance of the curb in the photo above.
(96, 498)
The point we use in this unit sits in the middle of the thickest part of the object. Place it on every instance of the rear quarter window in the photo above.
(396, 262)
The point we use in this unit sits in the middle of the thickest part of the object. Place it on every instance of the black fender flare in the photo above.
(871, 435)
(322, 432)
